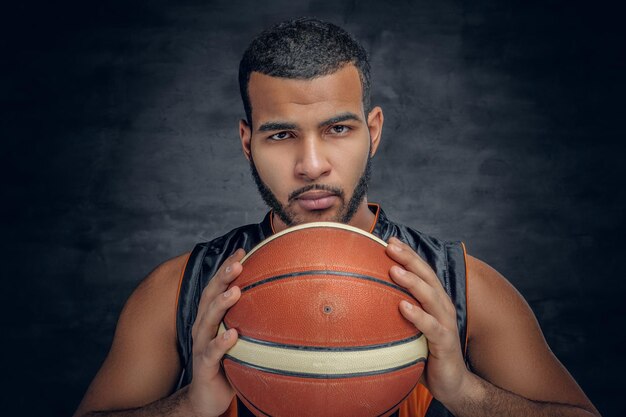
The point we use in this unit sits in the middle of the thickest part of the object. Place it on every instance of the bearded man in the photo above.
(309, 135)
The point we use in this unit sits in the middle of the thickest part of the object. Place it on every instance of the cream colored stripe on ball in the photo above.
(312, 362)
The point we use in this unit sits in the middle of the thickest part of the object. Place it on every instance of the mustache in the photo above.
(297, 193)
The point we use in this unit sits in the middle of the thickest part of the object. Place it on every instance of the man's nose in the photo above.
(312, 160)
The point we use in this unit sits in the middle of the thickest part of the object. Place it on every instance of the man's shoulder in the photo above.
(486, 281)
(166, 277)
(161, 282)
(493, 300)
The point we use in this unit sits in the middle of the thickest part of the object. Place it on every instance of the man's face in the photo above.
(311, 144)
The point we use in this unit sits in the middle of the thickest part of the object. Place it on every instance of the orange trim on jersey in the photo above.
(466, 299)
(417, 403)
(231, 411)
(375, 218)
(180, 284)
(272, 222)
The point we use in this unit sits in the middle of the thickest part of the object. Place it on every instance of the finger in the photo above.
(205, 327)
(432, 300)
(227, 272)
(216, 349)
(436, 333)
(406, 256)
(225, 275)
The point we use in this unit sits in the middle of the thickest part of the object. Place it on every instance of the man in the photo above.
(309, 136)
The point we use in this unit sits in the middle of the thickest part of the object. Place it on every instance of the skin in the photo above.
(312, 151)
(139, 375)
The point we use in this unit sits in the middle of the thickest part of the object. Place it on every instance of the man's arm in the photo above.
(142, 368)
(506, 347)
(515, 372)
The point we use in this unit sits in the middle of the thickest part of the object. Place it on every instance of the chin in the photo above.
(328, 215)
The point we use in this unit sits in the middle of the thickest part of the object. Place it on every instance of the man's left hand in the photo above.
(435, 316)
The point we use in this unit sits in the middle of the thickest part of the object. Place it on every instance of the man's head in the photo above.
(302, 49)
(309, 136)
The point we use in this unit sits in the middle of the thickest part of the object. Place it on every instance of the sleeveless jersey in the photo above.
(447, 259)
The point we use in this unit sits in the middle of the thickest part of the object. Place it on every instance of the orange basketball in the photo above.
(320, 333)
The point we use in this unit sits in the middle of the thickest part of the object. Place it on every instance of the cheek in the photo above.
(273, 170)
(350, 162)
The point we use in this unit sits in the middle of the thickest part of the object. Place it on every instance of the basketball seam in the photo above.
(327, 348)
(326, 272)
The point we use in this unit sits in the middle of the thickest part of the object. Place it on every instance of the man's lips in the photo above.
(316, 200)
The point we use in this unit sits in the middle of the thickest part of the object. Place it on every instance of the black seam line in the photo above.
(247, 399)
(256, 408)
(268, 415)
(327, 348)
(326, 272)
(323, 376)
(399, 402)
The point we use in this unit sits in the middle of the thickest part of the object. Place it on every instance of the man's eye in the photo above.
(339, 129)
(280, 136)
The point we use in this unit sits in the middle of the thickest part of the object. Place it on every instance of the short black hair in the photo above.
(303, 48)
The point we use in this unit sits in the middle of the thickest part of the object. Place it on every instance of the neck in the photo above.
(363, 219)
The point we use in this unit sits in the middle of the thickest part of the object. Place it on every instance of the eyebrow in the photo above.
(340, 118)
(278, 125)
(271, 126)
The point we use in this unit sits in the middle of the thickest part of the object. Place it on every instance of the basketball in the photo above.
(320, 333)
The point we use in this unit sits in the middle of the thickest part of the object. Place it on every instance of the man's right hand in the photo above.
(210, 393)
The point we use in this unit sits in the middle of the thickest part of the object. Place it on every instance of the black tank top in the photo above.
(447, 259)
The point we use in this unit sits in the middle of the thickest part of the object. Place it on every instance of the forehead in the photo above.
(292, 99)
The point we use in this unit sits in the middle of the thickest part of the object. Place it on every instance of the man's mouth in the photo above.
(316, 200)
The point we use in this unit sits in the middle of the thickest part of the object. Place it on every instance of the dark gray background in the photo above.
(504, 129)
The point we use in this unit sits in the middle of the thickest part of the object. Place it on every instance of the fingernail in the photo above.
(228, 269)
(228, 292)
(407, 305)
(399, 270)
(227, 334)
(395, 247)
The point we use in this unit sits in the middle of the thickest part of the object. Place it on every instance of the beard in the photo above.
(287, 215)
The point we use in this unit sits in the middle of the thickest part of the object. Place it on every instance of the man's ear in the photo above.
(245, 133)
(375, 121)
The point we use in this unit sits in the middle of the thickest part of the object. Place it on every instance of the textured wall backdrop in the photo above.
(504, 128)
